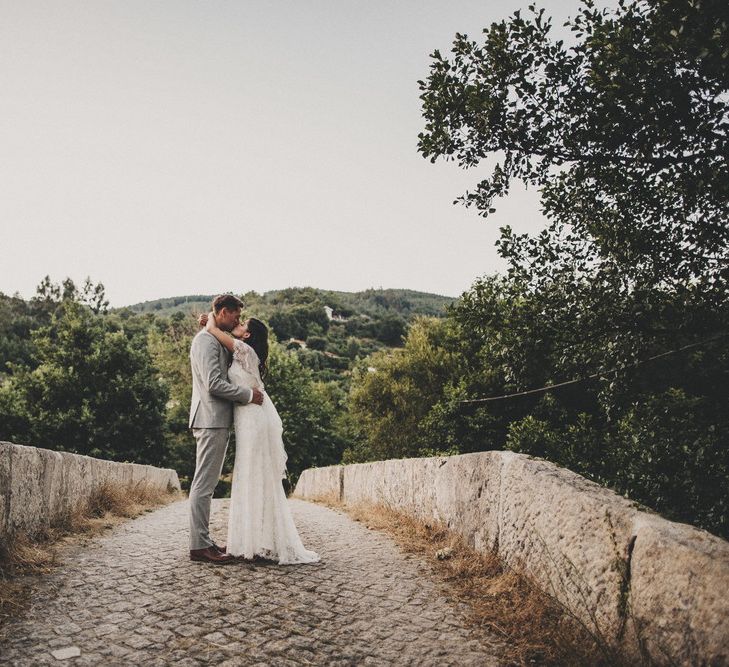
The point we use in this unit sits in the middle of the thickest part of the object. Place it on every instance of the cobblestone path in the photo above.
(132, 597)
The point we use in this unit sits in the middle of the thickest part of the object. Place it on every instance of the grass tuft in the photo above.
(127, 502)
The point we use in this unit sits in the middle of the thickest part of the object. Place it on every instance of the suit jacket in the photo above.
(212, 394)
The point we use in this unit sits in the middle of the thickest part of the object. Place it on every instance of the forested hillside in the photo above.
(115, 383)
(328, 330)
(373, 302)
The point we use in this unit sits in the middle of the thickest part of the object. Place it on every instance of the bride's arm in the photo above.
(222, 337)
(208, 321)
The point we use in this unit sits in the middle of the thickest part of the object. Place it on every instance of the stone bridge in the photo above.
(132, 597)
(630, 576)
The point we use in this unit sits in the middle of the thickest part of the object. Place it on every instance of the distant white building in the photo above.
(331, 315)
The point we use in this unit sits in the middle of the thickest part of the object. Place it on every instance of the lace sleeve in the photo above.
(246, 356)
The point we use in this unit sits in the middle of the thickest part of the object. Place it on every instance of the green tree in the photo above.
(19, 317)
(316, 343)
(390, 329)
(91, 295)
(93, 391)
(353, 347)
(169, 344)
(284, 325)
(394, 391)
(606, 426)
(624, 130)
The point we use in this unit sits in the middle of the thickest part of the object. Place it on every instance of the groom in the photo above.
(211, 414)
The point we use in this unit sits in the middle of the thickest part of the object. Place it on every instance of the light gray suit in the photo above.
(211, 414)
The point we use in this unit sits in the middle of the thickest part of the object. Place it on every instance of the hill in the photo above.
(372, 302)
(329, 330)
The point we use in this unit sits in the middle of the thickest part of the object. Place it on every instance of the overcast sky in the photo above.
(174, 147)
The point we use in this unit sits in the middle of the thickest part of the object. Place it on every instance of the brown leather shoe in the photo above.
(220, 549)
(211, 555)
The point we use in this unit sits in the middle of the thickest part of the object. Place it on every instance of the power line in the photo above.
(594, 375)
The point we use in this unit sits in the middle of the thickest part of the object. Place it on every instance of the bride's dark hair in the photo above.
(258, 340)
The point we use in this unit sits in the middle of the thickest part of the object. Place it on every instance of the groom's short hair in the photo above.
(226, 301)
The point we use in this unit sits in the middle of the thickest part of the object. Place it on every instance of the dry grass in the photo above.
(17, 562)
(23, 558)
(534, 628)
(115, 502)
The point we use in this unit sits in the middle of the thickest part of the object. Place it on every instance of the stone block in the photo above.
(26, 499)
(5, 449)
(51, 486)
(102, 472)
(173, 480)
(571, 535)
(305, 484)
(394, 483)
(361, 483)
(468, 496)
(66, 653)
(79, 480)
(320, 483)
(139, 474)
(123, 473)
(679, 578)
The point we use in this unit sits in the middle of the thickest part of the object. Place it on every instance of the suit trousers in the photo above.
(211, 446)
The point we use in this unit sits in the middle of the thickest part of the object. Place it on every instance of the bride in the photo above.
(260, 522)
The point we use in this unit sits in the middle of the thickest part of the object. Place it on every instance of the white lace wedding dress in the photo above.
(260, 521)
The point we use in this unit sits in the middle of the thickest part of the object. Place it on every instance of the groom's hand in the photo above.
(257, 397)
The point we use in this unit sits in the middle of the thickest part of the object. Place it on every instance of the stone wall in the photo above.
(40, 487)
(622, 570)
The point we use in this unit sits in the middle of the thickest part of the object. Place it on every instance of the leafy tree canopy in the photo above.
(93, 391)
(624, 130)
